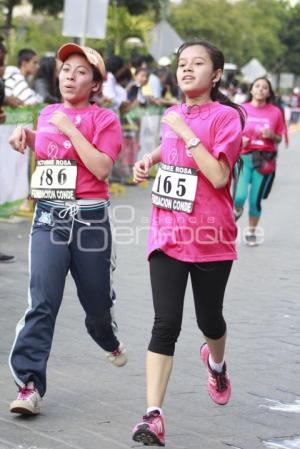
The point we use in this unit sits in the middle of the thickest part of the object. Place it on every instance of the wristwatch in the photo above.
(193, 142)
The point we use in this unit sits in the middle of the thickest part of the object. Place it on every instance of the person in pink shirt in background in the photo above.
(76, 144)
(192, 229)
(264, 128)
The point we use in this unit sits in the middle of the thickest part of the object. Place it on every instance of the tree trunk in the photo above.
(8, 21)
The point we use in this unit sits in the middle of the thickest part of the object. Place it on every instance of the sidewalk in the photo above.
(90, 404)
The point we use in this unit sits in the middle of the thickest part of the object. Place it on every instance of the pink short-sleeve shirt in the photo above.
(269, 117)
(209, 232)
(101, 127)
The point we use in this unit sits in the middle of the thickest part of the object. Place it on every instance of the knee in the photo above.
(254, 208)
(164, 337)
(212, 327)
(240, 199)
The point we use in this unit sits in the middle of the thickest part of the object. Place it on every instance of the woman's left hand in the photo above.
(177, 124)
(62, 122)
(267, 134)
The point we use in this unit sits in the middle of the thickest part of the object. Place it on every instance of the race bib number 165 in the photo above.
(175, 188)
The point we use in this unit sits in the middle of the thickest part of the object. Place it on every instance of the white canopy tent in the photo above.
(163, 40)
(252, 70)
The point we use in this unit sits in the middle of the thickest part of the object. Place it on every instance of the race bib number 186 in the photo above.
(175, 188)
(54, 180)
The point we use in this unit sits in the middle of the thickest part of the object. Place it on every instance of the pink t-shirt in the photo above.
(101, 127)
(209, 232)
(259, 118)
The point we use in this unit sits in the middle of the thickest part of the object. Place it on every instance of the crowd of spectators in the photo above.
(132, 89)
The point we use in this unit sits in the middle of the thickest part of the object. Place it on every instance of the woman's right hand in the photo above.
(141, 169)
(18, 139)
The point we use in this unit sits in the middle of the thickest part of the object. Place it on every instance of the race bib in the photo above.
(54, 180)
(175, 188)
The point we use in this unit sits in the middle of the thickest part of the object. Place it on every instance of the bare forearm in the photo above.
(155, 155)
(96, 162)
(30, 138)
(216, 171)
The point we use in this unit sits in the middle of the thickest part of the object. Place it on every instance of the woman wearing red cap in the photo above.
(76, 144)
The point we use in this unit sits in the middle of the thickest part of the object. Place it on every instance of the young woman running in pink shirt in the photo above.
(192, 229)
(264, 128)
(76, 144)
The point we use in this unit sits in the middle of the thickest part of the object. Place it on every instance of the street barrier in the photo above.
(14, 167)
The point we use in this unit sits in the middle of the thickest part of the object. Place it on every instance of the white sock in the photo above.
(151, 409)
(30, 385)
(215, 366)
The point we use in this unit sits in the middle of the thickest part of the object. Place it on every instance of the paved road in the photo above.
(93, 405)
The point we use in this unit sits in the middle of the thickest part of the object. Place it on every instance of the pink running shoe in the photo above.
(219, 388)
(151, 431)
(27, 402)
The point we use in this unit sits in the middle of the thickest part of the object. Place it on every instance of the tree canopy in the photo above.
(52, 7)
(266, 29)
(137, 7)
(243, 29)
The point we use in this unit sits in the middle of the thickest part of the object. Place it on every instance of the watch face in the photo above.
(193, 142)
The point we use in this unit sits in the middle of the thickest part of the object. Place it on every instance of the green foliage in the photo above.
(260, 28)
(52, 7)
(9, 6)
(289, 36)
(28, 34)
(243, 29)
(122, 25)
(9, 3)
(266, 29)
(136, 7)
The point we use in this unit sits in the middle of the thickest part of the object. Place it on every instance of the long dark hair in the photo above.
(114, 63)
(218, 60)
(271, 98)
(47, 72)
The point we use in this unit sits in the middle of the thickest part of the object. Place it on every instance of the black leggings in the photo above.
(169, 280)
